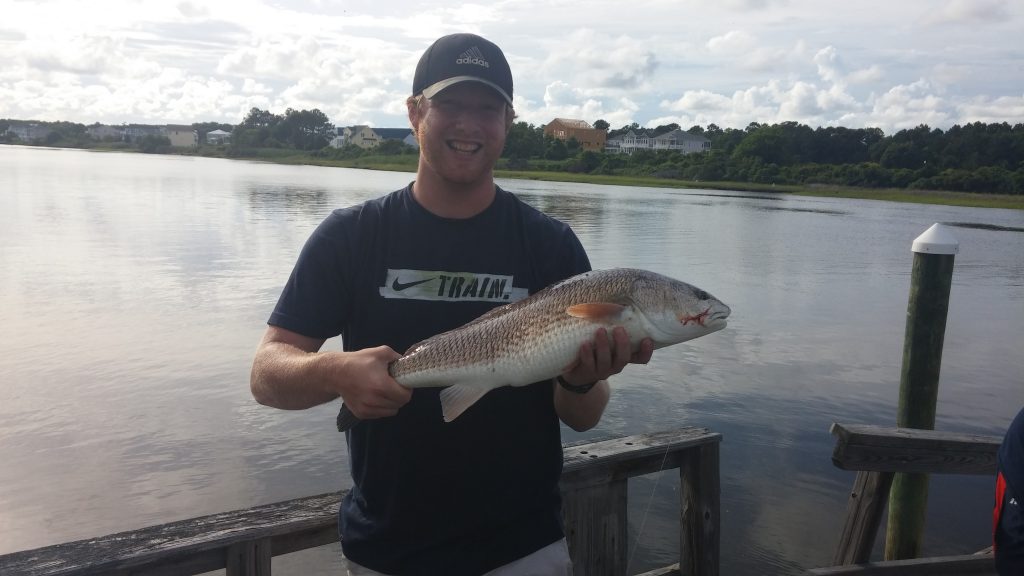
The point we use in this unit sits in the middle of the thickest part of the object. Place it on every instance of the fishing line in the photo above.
(647, 508)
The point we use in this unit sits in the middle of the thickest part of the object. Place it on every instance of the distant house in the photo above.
(362, 136)
(29, 132)
(218, 137)
(181, 136)
(590, 138)
(105, 132)
(404, 135)
(134, 132)
(366, 137)
(682, 141)
(677, 140)
(629, 142)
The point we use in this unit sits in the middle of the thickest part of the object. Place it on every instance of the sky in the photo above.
(891, 64)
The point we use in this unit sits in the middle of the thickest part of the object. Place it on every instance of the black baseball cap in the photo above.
(462, 58)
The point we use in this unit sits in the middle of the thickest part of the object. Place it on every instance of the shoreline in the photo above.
(938, 197)
(407, 163)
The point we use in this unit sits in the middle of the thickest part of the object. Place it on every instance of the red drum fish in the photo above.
(539, 337)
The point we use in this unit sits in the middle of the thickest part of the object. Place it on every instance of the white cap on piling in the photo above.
(936, 240)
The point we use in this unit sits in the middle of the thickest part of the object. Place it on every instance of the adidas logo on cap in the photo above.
(473, 56)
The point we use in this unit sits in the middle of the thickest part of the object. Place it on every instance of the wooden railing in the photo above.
(594, 482)
(877, 453)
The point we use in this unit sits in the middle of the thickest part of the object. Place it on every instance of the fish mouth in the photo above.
(719, 315)
(712, 319)
(717, 319)
(710, 316)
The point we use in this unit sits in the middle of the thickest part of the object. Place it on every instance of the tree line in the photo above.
(297, 129)
(975, 157)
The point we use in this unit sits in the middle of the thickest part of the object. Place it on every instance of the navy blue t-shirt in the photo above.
(431, 497)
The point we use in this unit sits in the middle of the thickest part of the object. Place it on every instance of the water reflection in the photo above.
(983, 226)
(293, 200)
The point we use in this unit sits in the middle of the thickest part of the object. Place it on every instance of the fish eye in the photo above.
(702, 295)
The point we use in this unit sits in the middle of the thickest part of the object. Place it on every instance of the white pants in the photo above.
(551, 560)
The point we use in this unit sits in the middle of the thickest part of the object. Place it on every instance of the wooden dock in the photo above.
(877, 453)
(594, 482)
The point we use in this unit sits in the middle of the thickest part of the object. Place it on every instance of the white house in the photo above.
(677, 140)
(181, 136)
(362, 136)
(681, 141)
(366, 137)
(218, 137)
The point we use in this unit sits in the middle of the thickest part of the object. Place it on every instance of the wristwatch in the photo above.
(575, 388)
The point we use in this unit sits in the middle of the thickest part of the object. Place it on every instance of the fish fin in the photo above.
(455, 399)
(346, 419)
(595, 310)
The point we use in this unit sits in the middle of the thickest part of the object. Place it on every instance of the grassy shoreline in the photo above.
(407, 163)
(965, 199)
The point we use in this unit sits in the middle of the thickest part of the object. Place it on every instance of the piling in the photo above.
(930, 282)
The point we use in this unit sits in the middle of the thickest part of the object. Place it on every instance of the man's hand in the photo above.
(596, 361)
(604, 357)
(366, 387)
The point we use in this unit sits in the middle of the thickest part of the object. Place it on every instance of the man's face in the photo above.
(461, 132)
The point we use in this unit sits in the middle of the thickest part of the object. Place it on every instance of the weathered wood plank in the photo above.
(881, 449)
(596, 528)
(615, 459)
(699, 512)
(864, 511)
(967, 565)
(191, 546)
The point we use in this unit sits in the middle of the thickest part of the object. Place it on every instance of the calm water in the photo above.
(133, 291)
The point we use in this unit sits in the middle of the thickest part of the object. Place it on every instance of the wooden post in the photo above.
(596, 528)
(930, 281)
(249, 558)
(699, 521)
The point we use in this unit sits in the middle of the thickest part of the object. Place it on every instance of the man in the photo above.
(1008, 517)
(480, 494)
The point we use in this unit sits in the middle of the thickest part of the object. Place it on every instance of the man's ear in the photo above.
(413, 107)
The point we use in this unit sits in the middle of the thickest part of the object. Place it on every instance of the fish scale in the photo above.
(539, 337)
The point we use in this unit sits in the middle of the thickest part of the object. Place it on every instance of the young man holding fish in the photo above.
(479, 494)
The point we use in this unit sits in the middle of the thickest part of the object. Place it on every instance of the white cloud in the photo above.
(192, 10)
(993, 110)
(563, 101)
(964, 11)
(910, 105)
(601, 63)
(732, 42)
(877, 63)
(867, 75)
(250, 86)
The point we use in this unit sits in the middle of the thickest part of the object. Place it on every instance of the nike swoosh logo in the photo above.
(399, 286)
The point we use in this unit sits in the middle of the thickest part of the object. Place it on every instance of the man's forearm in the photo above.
(287, 377)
